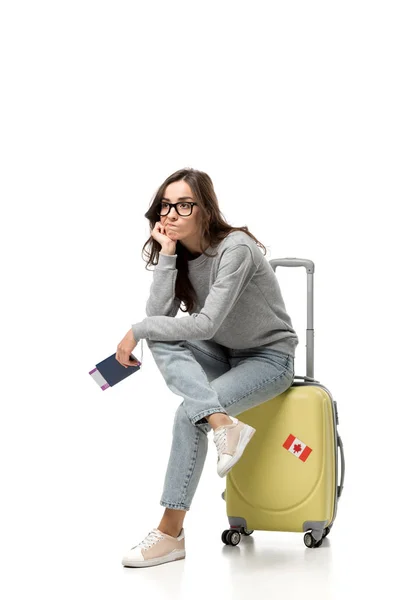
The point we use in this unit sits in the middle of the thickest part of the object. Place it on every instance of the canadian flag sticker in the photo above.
(297, 447)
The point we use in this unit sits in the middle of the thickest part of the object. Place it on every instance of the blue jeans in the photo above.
(211, 378)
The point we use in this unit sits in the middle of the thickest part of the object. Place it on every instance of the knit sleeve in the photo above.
(162, 300)
(235, 270)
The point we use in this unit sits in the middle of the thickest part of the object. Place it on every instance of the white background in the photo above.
(292, 108)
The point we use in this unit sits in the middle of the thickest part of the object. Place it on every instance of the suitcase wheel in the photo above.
(231, 537)
(311, 542)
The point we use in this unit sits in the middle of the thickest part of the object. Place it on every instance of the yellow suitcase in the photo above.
(287, 479)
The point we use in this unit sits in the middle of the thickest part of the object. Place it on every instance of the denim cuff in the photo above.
(199, 418)
(174, 506)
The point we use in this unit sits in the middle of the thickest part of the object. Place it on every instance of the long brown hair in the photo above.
(214, 229)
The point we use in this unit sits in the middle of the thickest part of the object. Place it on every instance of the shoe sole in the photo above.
(245, 436)
(152, 562)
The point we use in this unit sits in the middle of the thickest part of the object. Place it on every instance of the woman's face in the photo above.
(184, 229)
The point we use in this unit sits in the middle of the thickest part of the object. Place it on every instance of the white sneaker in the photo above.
(156, 548)
(231, 441)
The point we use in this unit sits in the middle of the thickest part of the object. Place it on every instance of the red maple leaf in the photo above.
(297, 448)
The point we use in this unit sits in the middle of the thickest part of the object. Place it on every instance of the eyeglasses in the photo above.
(184, 209)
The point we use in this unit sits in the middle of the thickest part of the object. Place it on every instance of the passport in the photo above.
(109, 371)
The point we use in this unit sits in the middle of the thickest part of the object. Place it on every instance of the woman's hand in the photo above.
(124, 350)
(159, 234)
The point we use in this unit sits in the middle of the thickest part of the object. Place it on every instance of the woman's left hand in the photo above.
(124, 350)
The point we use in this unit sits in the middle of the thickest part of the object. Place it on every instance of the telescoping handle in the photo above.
(310, 268)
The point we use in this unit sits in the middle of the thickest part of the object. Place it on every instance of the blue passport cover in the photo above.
(109, 371)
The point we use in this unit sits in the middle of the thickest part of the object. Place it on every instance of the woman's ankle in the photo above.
(216, 420)
(172, 522)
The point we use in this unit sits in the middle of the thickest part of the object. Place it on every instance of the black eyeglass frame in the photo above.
(176, 203)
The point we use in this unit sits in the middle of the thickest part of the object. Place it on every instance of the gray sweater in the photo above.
(239, 302)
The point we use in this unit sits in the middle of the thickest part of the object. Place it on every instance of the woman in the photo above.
(234, 350)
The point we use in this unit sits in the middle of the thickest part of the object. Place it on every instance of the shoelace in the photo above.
(220, 440)
(153, 537)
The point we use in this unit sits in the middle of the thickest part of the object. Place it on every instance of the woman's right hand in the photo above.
(158, 233)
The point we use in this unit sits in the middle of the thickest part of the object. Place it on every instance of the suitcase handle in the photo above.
(293, 262)
(305, 378)
(310, 268)
(342, 466)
